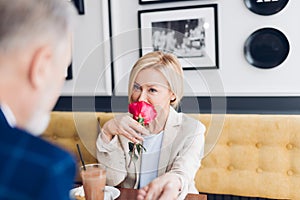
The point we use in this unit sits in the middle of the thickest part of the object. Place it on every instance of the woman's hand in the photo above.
(166, 186)
(124, 125)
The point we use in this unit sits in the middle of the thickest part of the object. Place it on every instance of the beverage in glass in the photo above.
(94, 180)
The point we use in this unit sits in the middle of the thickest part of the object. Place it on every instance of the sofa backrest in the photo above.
(245, 155)
(256, 155)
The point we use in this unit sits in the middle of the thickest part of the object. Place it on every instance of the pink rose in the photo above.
(143, 112)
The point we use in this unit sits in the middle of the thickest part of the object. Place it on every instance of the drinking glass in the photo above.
(94, 180)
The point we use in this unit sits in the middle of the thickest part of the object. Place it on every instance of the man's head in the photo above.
(35, 50)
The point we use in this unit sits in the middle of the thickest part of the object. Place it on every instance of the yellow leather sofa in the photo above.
(245, 155)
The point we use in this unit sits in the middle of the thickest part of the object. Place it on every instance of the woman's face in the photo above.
(152, 87)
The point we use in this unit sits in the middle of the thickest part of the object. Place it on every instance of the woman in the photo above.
(174, 141)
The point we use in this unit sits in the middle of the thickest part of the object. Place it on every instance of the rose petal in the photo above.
(143, 110)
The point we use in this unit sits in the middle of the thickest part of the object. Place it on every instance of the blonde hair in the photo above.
(165, 63)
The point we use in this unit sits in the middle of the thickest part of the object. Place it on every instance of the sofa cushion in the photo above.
(256, 155)
(245, 155)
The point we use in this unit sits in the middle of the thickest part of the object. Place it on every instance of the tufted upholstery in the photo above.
(66, 129)
(255, 155)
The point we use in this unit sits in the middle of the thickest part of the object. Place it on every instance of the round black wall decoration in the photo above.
(266, 48)
(265, 7)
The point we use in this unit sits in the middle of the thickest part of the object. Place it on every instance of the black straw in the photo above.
(80, 155)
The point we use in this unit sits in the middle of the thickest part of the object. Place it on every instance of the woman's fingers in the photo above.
(163, 187)
(169, 192)
(141, 194)
(130, 134)
(139, 128)
(154, 190)
(134, 137)
(128, 127)
(133, 134)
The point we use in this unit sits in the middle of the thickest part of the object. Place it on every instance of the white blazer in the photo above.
(181, 153)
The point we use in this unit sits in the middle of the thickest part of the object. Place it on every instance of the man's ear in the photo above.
(39, 66)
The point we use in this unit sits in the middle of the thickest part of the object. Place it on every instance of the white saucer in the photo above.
(80, 192)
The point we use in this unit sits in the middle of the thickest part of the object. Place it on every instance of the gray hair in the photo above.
(25, 21)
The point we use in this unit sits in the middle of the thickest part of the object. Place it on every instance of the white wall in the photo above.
(91, 53)
(235, 77)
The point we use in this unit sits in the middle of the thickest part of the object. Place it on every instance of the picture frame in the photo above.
(158, 1)
(190, 33)
(69, 72)
(79, 5)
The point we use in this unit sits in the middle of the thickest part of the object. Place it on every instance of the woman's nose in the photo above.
(143, 96)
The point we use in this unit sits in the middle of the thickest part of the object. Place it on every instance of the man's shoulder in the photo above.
(36, 164)
(51, 152)
(37, 148)
(43, 162)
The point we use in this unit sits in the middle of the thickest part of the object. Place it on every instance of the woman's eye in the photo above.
(152, 90)
(136, 87)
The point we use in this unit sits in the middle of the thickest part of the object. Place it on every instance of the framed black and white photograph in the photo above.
(190, 33)
(79, 4)
(69, 75)
(158, 1)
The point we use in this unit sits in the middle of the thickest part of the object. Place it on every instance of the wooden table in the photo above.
(130, 194)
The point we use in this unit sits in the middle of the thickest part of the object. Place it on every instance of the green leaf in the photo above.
(130, 153)
(130, 145)
(138, 148)
(143, 147)
(135, 158)
(134, 155)
(141, 121)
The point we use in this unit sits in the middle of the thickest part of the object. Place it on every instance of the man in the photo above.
(35, 50)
